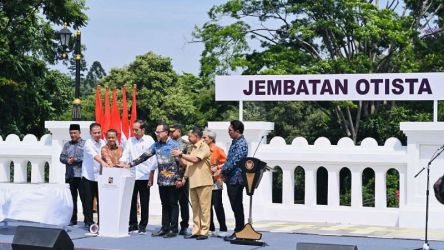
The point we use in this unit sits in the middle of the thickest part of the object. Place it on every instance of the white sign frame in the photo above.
(332, 87)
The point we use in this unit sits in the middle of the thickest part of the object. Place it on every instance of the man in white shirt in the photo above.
(144, 173)
(90, 171)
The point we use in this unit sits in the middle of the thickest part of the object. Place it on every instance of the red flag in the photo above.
(107, 117)
(115, 116)
(133, 109)
(125, 125)
(98, 108)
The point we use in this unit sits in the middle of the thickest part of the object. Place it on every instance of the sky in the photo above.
(118, 31)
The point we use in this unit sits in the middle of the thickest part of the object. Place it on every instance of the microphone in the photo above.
(262, 137)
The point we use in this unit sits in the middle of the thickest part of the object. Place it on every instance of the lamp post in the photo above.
(65, 35)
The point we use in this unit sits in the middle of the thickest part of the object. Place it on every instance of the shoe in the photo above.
(222, 234)
(202, 237)
(87, 226)
(72, 224)
(170, 234)
(191, 236)
(133, 228)
(159, 233)
(142, 231)
(212, 233)
(184, 231)
(230, 238)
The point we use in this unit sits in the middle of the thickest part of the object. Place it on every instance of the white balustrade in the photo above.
(423, 139)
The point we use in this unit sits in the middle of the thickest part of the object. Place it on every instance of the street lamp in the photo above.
(65, 35)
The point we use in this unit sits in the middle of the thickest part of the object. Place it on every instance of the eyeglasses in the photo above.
(158, 132)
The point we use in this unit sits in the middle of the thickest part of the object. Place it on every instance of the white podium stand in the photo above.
(115, 191)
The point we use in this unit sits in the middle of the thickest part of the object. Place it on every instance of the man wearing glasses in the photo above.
(169, 179)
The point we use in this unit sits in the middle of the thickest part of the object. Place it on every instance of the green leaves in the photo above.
(320, 37)
(29, 92)
(162, 95)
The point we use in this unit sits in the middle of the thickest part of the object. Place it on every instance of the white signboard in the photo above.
(402, 86)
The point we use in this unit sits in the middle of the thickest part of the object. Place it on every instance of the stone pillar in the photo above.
(20, 173)
(356, 186)
(287, 185)
(37, 172)
(423, 141)
(254, 133)
(60, 135)
(4, 171)
(310, 185)
(380, 188)
(333, 185)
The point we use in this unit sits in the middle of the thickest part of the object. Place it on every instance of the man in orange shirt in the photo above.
(217, 160)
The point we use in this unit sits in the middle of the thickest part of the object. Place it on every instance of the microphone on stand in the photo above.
(262, 137)
(267, 168)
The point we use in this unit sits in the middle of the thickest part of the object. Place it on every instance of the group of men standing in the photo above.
(187, 170)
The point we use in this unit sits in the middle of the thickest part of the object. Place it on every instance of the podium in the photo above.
(252, 170)
(115, 192)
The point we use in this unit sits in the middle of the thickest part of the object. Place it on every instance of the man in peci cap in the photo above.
(72, 157)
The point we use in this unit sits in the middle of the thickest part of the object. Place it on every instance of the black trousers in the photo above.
(216, 203)
(91, 191)
(76, 187)
(184, 194)
(169, 197)
(141, 188)
(235, 194)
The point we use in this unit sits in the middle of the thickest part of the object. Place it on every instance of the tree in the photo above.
(162, 95)
(317, 37)
(95, 73)
(27, 44)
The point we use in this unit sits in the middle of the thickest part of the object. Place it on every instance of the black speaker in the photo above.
(36, 238)
(318, 246)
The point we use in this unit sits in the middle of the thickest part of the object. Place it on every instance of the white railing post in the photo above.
(287, 184)
(380, 187)
(20, 174)
(356, 187)
(333, 185)
(38, 172)
(402, 187)
(4, 171)
(310, 185)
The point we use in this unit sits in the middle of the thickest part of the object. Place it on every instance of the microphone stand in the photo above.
(426, 245)
(250, 218)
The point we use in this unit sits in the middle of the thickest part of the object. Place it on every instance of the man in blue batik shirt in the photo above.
(169, 179)
(233, 173)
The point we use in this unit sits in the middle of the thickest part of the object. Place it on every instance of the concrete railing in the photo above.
(423, 140)
(20, 153)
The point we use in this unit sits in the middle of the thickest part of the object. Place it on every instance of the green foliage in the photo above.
(392, 178)
(299, 186)
(95, 73)
(345, 187)
(27, 106)
(162, 95)
(29, 92)
(368, 188)
(320, 37)
(385, 124)
(276, 194)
